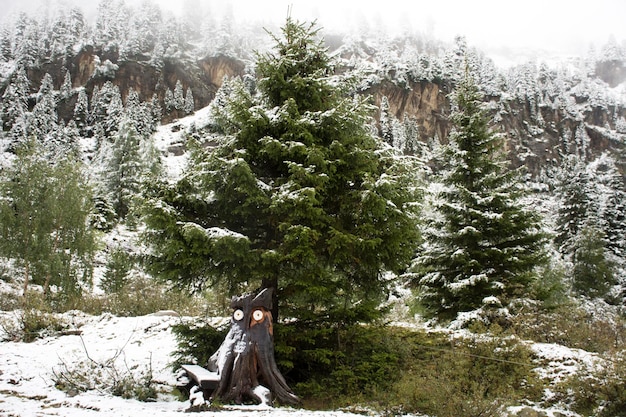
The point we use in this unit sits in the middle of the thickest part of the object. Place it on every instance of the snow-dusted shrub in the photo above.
(468, 376)
(139, 296)
(110, 376)
(572, 326)
(31, 322)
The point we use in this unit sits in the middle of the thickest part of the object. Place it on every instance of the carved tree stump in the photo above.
(245, 360)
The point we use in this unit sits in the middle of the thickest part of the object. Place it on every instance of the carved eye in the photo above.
(238, 315)
(257, 315)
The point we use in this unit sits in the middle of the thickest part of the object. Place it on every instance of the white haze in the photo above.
(514, 31)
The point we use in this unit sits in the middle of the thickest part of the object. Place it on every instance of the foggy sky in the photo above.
(562, 27)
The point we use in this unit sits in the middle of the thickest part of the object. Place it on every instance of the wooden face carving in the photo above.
(248, 313)
(245, 360)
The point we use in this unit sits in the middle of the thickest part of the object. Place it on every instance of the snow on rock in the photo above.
(558, 362)
(173, 135)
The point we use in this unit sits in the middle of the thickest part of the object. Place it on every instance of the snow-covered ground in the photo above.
(172, 135)
(105, 345)
(110, 347)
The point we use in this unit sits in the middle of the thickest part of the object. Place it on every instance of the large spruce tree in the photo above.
(481, 242)
(301, 197)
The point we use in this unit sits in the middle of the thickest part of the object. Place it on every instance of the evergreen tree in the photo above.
(123, 169)
(44, 211)
(615, 216)
(114, 113)
(21, 25)
(151, 164)
(75, 26)
(69, 141)
(27, 49)
(481, 244)
(575, 204)
(302, 198)
(106, 107)
(66, 87)
(81, 112)
(168, 100)
(412, 144)
(44, 119)
(592, 273)
(15, 99)
(57, 35)
(218, 107)
(386, 119)
(116, 275)
(6, 52)
(156, 112)
(140, 114)
(189, 106)
(178, 98)
(158, 52)
(111, 19)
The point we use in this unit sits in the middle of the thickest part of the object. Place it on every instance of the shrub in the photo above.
(32, 321)
(196, 343)
(470, 377)
(338, 365)
(140, 296)
(87, 375)
(570, 325)
(143, 295)
(391, 369)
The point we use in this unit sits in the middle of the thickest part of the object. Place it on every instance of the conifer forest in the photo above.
(442, 236)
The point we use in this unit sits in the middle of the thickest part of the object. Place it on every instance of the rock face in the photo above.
(425, 101)
(536, 136)
(203, 77)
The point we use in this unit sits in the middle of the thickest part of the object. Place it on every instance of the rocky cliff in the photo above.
(536, 134)
(538, 131)
(203, 77)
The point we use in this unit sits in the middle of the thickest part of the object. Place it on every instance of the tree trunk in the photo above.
(245, 360)
(26, 278)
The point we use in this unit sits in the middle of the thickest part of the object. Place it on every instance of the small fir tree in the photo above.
(189, 103)
(118, 267)
(592, 272)
(482, 244)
